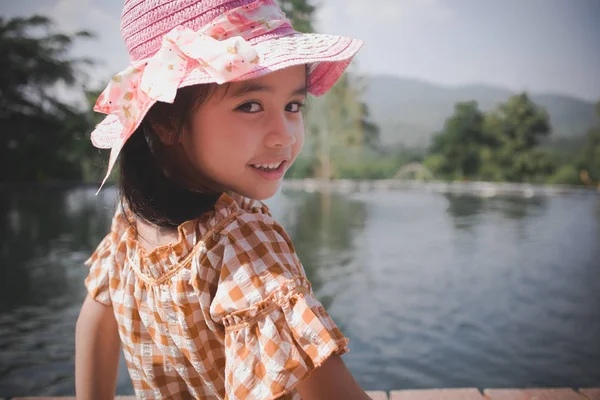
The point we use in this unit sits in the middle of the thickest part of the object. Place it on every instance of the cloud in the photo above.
(378, 11)
(390, 30)
(381, 14)
(72, 15)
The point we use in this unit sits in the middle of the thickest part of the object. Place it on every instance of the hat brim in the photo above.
(328, 57)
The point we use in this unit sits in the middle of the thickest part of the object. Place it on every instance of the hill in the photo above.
(409, 111)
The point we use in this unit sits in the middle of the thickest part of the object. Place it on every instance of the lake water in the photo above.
(433, 290)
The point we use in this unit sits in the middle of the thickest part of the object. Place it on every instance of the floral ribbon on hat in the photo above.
(219, 51)
(159, 78)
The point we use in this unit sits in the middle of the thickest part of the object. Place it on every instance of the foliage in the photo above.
(300, 13)
(460, 141)
(39, 140)
(359, 163)
(566, 174)
(516, 128)
(589, 158)
(362, 164)
(502, 145)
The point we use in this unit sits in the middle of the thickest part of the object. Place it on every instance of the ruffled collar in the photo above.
(154, 264)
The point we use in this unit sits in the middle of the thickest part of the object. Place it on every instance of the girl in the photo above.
(196, 282)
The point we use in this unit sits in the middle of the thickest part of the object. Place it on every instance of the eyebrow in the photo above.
(249, 87)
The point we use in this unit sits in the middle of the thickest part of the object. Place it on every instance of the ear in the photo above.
(164, 130)
(167, 134)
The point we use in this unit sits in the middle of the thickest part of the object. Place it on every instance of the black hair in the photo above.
(144, 186)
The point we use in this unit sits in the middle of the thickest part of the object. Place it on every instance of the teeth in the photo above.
(269, 166)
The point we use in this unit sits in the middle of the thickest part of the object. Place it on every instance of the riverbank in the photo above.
(483, 189)
(445, 394)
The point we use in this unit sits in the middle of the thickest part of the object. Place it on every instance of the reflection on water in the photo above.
(323, 227)
(45, 235)
(467, 210)
(433, 290)
(44, 232)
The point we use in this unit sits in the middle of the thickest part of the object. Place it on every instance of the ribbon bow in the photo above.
(158, 78)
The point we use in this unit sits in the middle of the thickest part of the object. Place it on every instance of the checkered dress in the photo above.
(224, 313)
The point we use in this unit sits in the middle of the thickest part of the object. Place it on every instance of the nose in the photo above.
(281, 131)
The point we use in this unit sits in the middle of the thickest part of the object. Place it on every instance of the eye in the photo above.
(294, 107)
(250, 107)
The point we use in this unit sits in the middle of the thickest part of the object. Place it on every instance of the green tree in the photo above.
(566, 174)
(335, 123)
(300, 14)
(370, 130)
(502, 145)
(589, 160)
(515, 129)
(38, 141)
(457, 147)
(92, 161)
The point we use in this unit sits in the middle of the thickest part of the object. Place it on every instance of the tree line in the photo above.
(509, 144)
(44, 138)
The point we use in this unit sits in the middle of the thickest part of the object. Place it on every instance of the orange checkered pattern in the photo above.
(224, 313)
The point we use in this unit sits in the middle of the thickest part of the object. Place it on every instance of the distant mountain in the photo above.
(409, 111)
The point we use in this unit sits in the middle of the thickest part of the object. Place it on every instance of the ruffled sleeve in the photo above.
(102, 264)
(276, 331)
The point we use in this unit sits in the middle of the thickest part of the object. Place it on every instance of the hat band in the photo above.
(248, 21)
(219, 51)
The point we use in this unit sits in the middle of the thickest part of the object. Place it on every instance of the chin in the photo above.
(261, 192)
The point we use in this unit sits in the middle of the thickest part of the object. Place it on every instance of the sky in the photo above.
(543, 46)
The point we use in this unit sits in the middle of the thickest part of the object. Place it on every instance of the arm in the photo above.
(97, 349)
(276, 330)
(331, 381)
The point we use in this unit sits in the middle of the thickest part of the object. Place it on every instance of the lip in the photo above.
(272, 175)
(272, 161)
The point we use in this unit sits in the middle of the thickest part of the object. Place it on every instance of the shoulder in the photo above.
(247, 240)
(256, 239)
(249, 224)
(258, 260)
(253, 229)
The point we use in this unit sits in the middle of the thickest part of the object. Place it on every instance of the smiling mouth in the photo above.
(268, 167)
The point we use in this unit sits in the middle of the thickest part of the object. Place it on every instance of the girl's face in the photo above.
(247, 134)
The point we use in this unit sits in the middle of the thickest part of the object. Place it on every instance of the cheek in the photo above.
(297, 147)
(204, 133)
(237, 140)
(218, 138)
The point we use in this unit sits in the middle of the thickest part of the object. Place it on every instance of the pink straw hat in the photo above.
(178, 43)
